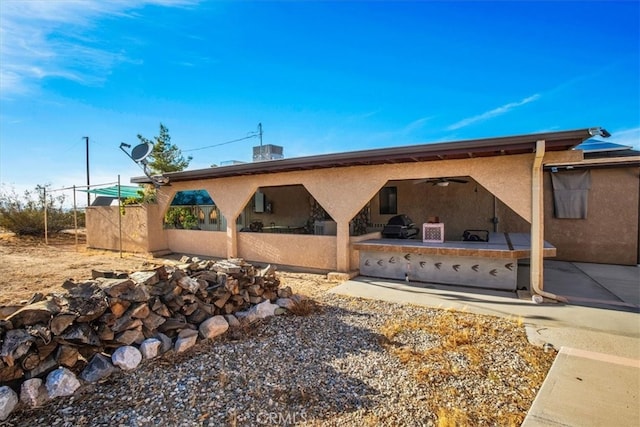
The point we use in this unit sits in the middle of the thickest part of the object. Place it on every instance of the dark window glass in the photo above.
(389, 201)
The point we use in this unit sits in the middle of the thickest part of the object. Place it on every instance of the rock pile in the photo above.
(93, 328)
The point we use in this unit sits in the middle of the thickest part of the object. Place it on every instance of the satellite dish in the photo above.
(141, 151)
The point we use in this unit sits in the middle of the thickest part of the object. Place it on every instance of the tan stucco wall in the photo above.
(344, 191)
(141, 228)
(609, 235)
(354, 260)
(300, 250)
(198, 242)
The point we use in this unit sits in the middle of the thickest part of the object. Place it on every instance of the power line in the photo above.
(252, 135)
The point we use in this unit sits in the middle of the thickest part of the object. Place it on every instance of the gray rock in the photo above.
(8, 402)
(232, 320)
(167, 343)
(126, 357)
(260, 311)
(33, 392)
(150, 348)
(213, 326)
(186, 339)
(61, 382)
(99, 367)
(287, 303)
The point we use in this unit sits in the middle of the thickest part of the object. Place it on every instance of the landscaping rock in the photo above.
(260, 311)
(126, 358)
(8, 401)
(287, 303)
(167, 343)
(33, 392)
(61, 382)
(214, 326)
(99, 367)
(150, 348)
(186, 339)
(232, 320)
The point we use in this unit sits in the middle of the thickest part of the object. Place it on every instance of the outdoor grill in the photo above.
(400, 227)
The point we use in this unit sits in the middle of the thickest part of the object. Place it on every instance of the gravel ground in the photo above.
(353, 362)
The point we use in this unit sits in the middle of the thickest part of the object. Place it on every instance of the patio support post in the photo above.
(232, 239)
(342, 246)
(537, 225)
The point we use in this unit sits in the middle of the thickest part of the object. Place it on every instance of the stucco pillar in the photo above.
(232, 239)
(342, 246)
(537, 220)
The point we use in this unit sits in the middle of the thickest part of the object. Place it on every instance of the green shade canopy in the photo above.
(125, 191)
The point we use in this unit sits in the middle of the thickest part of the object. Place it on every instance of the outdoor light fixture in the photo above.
(139, 154)
(442, 183)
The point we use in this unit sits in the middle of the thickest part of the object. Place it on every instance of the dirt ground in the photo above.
(28, 265)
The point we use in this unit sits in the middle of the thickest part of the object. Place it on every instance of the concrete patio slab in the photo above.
(586, 388)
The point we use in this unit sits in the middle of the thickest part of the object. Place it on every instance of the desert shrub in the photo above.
(24, 214)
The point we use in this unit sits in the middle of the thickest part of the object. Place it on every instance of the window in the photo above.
(388, 201)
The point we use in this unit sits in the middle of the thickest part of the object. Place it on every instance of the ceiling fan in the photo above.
(442, 182)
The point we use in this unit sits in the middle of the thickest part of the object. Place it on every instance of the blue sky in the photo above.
(321, 77)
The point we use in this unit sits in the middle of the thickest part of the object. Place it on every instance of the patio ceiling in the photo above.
(519, 144)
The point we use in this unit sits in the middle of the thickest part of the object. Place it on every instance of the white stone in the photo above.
(259, 311)
(61, 382)
(33, 392)
(8, 402)
(287, 303)
(126, 357)
(214, 326)
(186, 339)
(150, 348)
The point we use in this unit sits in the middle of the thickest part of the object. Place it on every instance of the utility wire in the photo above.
(222, 143)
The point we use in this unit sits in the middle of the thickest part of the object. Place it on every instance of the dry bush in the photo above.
(305, 307)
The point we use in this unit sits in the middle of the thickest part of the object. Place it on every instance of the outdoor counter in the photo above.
(492, 264)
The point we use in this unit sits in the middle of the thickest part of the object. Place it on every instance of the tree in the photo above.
(165, 156)
(24, 215)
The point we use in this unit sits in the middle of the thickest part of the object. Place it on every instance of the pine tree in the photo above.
(165, 156)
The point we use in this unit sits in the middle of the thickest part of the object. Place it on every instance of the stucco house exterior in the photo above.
(311, 212)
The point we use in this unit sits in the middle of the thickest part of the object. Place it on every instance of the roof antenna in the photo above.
(139, 154)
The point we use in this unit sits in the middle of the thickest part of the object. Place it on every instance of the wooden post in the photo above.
(46, 225)
(75, 217)
(119, 218)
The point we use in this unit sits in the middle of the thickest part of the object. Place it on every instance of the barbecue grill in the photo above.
(400, 227)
